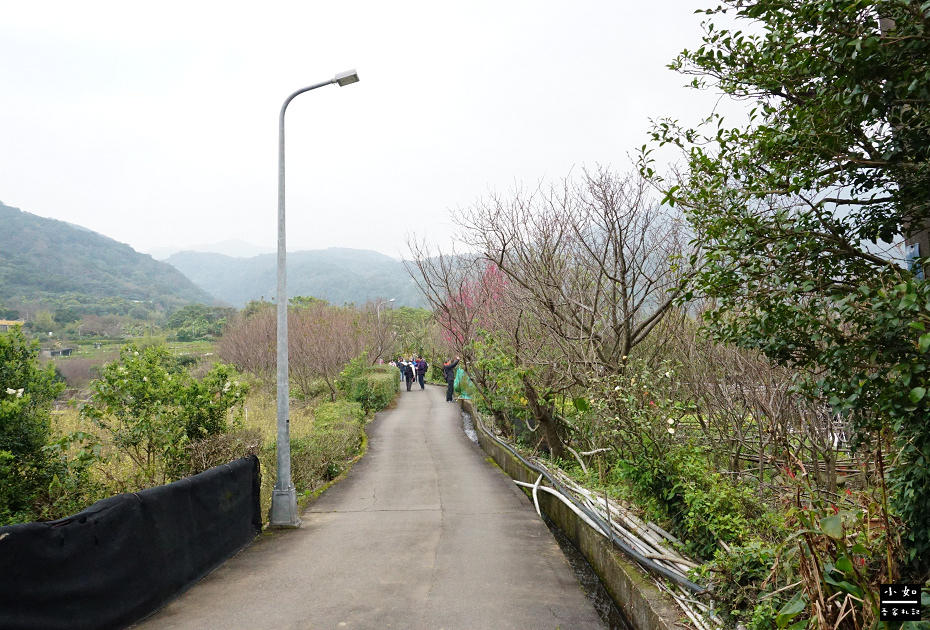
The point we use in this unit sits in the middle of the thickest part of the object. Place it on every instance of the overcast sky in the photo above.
(156, 124)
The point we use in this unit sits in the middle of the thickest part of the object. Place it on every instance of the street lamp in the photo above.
(284, 496)
(378, 309)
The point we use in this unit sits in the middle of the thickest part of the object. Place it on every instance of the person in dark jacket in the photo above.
(422, 366)
(448, 370)
(409, 373)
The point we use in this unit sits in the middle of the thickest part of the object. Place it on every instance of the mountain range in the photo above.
(55, 263)
(338, 275)
(234, 248)
(42, 260)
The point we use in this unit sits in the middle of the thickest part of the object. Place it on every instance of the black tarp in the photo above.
(126, 556)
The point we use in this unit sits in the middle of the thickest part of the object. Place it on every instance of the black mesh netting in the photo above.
(126, 556)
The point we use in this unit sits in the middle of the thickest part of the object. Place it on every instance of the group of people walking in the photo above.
(414, 370)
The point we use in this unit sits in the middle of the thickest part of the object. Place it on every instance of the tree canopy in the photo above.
(791, 208)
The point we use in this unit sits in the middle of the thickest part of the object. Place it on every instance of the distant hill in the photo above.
(337, 275)
(43, 259)
(234, 248)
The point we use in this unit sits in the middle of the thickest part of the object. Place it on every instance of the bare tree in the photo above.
(563, 285)
(322, 340)
(598, 261)
(452, 285)
(748, 411)
(249, 342)
(466, 304)
(380, 337)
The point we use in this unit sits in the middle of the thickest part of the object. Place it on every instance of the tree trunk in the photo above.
(546, 420)
(550, 431)
(501, 422)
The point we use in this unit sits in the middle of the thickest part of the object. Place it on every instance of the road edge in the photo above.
(641, 602)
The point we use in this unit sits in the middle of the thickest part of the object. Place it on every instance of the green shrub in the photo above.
(150, 409)
(706, 507)
(737, 581)
(335, 414)
(321, 455)
(26, 392)
(714, 507)
(374, 389)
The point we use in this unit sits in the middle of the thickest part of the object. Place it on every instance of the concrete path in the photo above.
(423, 533)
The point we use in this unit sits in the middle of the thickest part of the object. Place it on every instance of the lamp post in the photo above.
(378, 309)
(284, 496)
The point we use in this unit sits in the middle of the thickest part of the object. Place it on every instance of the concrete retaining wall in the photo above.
(642, 603)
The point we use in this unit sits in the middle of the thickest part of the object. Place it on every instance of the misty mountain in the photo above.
(235, 248)
(338, 275)
(42, 260)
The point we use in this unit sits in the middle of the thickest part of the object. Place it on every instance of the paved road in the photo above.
(423, 533)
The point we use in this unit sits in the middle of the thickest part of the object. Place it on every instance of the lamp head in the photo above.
(346, 78)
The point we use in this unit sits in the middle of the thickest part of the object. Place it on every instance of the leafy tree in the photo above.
(44, 323)
(26, 394)
(198, 321)
(8, 313)
(66, 315)
(305, 301)
(790, 210)
(254, 306)
(407, 331)
(151, 408)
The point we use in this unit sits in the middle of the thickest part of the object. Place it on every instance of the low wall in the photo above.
(126, 556)
(632, 590)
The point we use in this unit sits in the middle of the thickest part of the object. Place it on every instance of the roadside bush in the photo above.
(374, 388)
(150, 408)
(712, 507)
(705, 507)
(73, 486)
(321, 454)
(222, 448)
(737, 580)
(26, 394)
(335, 414)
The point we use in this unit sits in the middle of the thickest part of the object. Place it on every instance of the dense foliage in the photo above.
(374, 388)
(150, 408)
(791, 208)
(43, 259)
(29, 470)
(197, 321)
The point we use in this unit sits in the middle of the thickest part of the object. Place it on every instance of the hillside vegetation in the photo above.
(57, 265)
